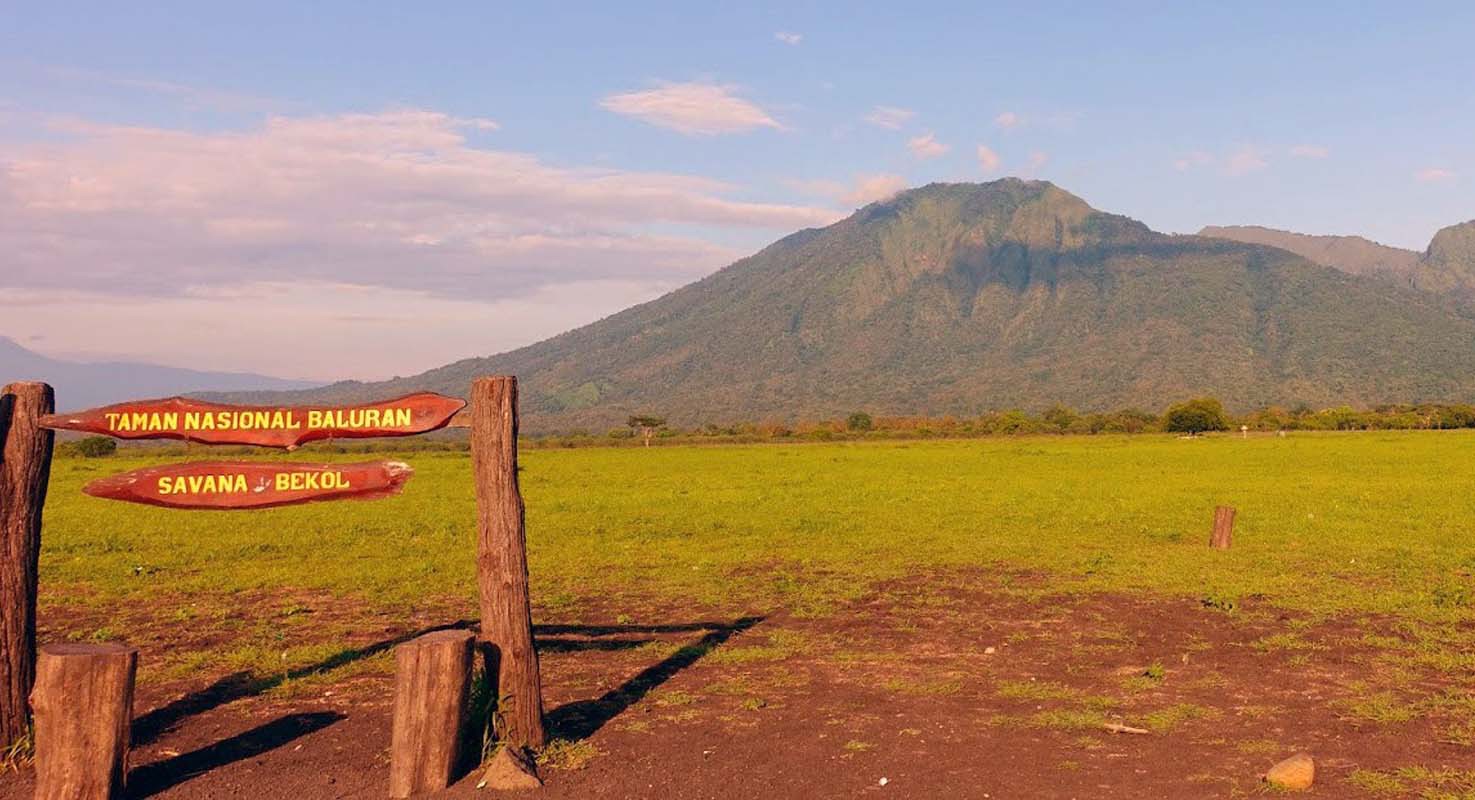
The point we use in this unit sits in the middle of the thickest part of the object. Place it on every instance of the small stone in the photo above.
(510, 769)
(883, 781)
(988, 651)
(1296, 772)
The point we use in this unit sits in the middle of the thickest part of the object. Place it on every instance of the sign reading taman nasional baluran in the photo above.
(266, 426)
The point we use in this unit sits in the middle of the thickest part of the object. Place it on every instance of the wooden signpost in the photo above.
(25, 466)
(251, 484)
(82, 753)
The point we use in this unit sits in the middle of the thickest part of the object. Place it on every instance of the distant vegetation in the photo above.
(1192, 417)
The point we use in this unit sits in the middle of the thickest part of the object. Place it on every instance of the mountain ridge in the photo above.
(959, 298)
(81, 385)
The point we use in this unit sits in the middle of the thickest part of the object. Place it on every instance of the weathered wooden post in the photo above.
(84, 711)
(431, 679)
(1223, 534)
(502, 566)
(25, 465)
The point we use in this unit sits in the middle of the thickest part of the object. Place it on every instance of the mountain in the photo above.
(80, 385)
(1449, 264)
(1446, 268)
(1351, 254)
(957, 298)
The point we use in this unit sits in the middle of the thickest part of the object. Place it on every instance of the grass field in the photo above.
(1371, 532)
(1328, 523)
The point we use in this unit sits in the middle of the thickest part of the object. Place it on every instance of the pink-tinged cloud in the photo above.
(1243, 161)
(1433, 175)
(988, 160)
(890, 117)
(1008, 119)
(696, 109)
(307, 329)
(1309, 151)
(864, 189)
(398, 200)
(927, 146)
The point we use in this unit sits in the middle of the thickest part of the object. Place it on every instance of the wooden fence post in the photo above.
(431, 677)
(84, 711)
(25, 466)
(1223, 534)
(501, 560)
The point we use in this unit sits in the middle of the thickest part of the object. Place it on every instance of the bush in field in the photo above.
(1059, 417)
(97, 446)
(859, 421)
(1196, 416)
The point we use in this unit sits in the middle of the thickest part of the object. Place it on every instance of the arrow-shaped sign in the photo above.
(267, 426)
(251, 484)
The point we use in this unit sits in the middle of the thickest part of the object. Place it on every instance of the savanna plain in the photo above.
(961, 618)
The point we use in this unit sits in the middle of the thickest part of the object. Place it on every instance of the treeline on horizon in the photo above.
(1203, 415)
(1192, 417)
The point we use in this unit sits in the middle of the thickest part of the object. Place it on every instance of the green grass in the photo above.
(1368, 523)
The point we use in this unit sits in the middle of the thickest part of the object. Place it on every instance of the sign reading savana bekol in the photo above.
(265, 426)
(250, 484)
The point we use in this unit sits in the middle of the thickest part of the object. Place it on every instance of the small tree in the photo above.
(97, 446)
(647, 426)
(1196, 416)
(859, 421)
(1060, 417)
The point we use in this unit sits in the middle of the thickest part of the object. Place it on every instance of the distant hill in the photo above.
(82, 385)
(1448, 265)
(956, 298)
(1351, 254)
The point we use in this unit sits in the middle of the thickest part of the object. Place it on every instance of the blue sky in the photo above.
(503, 172)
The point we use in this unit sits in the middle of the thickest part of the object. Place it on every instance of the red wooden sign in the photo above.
(251, 484)
(267, 426)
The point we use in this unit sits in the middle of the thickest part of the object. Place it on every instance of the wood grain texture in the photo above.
(84, 712)
(25, 466)
(1223, 535)
(432, 675)
(501, 556)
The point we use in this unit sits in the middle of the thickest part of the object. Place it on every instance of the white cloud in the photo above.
(1238, 162)
(1244, 160)
(864, 189)
(1197, 158)
(988, 160)
(788, 37)
(1038, 159)
(872, 188)
(1309, 151)
(398, 200)
(1008, 119)
(1433, 175)
(704, 109)
(926, 146)
(890, 117)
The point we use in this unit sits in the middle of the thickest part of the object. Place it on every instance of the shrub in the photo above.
(1196, 416)
(97, 446)
(859, 421)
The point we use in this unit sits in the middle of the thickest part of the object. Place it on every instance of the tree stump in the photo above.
(25, 465)
(83, 702)
(431, 679)
(1223, 534)
(502, 562)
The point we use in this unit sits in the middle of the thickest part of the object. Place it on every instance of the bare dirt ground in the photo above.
(980, 690)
